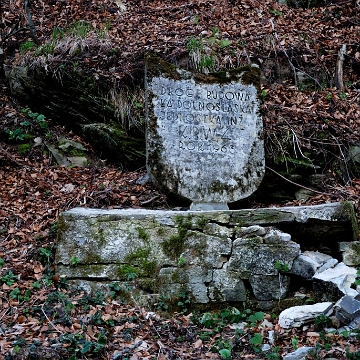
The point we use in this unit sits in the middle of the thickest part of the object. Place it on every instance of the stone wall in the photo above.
(212, 256)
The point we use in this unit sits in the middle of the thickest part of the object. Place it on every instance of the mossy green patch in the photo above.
(160, 231)
(175, 245)
(348, 210)
(143, 234)
(97, 233)
(179, 276)
(201, 222)
(24, 148)
(140, 258)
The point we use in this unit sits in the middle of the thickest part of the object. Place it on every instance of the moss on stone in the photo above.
(201, 222)
(143, 235)
(179, 276)
(175, 245)
(139, 259)
(160, 231)
(97, 234)
(287, 303)
(348, 209)
(148, 285)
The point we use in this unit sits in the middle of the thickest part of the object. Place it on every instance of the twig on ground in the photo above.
(348, 180)
(294, 183)
(147, 202)
(9, 156)
(52, 324)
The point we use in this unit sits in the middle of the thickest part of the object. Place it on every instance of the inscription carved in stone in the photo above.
(204, 133)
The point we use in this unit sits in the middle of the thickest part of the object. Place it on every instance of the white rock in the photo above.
(341, 276)
(298, 315)
(329, 264)
(271, 336)
(319, 257)
(299, 354)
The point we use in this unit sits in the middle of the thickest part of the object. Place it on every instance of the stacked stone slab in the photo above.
(210, 255)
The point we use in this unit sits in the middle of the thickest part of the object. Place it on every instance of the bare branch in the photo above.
(31, 23)
(339, 83)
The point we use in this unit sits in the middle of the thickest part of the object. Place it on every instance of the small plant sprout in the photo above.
(256, 342)
(276, 12)
(181, 262)
(184, 302)
(257, 317)
(45, 254)
(281, 268)
(9, 278)
(342, 96)
(74, 261)
(294, 342)
(225, 354)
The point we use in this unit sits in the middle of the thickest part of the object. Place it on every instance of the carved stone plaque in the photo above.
(204, 133)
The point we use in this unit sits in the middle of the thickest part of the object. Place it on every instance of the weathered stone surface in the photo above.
(323, 223)
(304, 266)
(218, 230)
(269, 287)
(252, 257)
(318, 257)
(309, 263)
(208, 254)
(328, 265)
(355, 323)
(193, 280)
(205, 249)
(250, 231)
(333, 283)
(350, 252)
(227, 286)
(275, 236)
(299, 315)
(347, 308)
(204, 133)
(299, 354)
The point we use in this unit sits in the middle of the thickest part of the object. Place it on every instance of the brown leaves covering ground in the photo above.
(39, 314)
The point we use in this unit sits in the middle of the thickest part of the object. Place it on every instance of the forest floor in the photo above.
(44, 317)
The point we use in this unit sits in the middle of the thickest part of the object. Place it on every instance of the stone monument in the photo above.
(204, 143)
(204, 133)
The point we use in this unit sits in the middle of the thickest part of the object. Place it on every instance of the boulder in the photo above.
(299, 354)
(300, 315)
(350, 252)
(309, 263)
(269, 287)
(347, 309)
(333, 283)
(204, 133)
